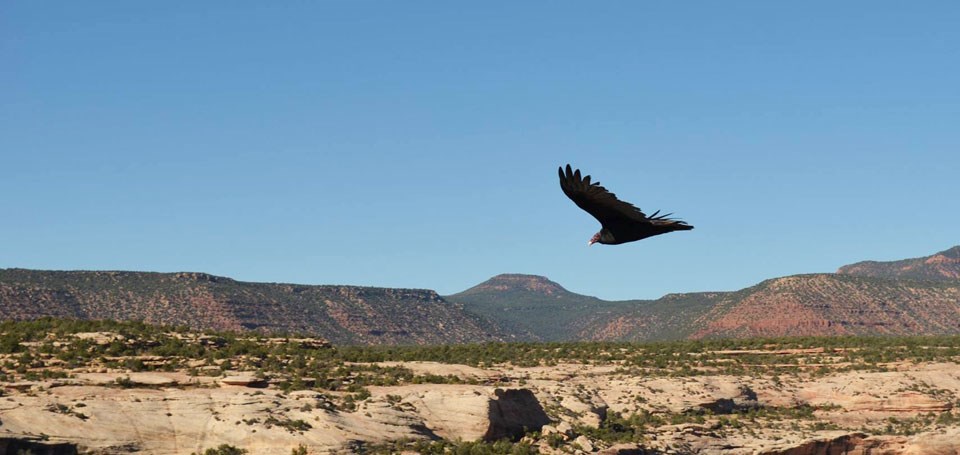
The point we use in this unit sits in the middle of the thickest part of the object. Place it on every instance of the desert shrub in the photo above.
(223, 449)
(289, 424)
(441, 447)
(124, 382)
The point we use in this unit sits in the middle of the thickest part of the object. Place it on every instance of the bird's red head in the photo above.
(594, 239)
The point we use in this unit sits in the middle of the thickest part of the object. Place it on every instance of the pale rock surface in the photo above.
(473, 412)
(946, 442)
(242, 380)
(449, 411)
(592, 410)
(172, 413)
(584, 443)
(181, 421)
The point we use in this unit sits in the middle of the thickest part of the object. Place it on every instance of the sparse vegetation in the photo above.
(224, 449)
(124, 382)
(64, 409)
(291, 425)
(502, 447)
(342, 376)
(140, 347)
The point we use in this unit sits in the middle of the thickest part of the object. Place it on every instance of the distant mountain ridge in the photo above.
(533, 307)
(836, 304)
(906, 297)
(342, 314)
(944, 265)
(911, 296)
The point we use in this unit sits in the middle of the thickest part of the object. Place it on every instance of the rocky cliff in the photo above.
(144, 389)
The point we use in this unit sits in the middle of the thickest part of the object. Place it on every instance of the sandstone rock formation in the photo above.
(90, 414)
(174, 413)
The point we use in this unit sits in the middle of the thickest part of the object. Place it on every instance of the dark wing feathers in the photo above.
(597, 200)
(611, 212)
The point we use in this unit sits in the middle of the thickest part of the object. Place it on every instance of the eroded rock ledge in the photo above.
(174, 413)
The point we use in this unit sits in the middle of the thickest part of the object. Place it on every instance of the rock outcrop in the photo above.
(93, 416)
(513, 413)
(35, 446)
(175, 413)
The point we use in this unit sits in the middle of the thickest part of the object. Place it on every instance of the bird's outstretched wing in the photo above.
(597, 200)
(611, 212)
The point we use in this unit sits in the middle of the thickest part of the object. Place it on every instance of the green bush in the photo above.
(224, 449)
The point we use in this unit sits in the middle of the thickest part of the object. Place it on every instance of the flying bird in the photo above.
(620, 221)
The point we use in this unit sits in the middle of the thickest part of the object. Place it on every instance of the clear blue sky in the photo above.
(415, 144)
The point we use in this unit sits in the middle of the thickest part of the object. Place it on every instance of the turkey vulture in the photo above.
(621, 222)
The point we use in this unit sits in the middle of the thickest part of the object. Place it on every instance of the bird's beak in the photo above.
(590, 243)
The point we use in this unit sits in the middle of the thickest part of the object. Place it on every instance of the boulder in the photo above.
(584, 443)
